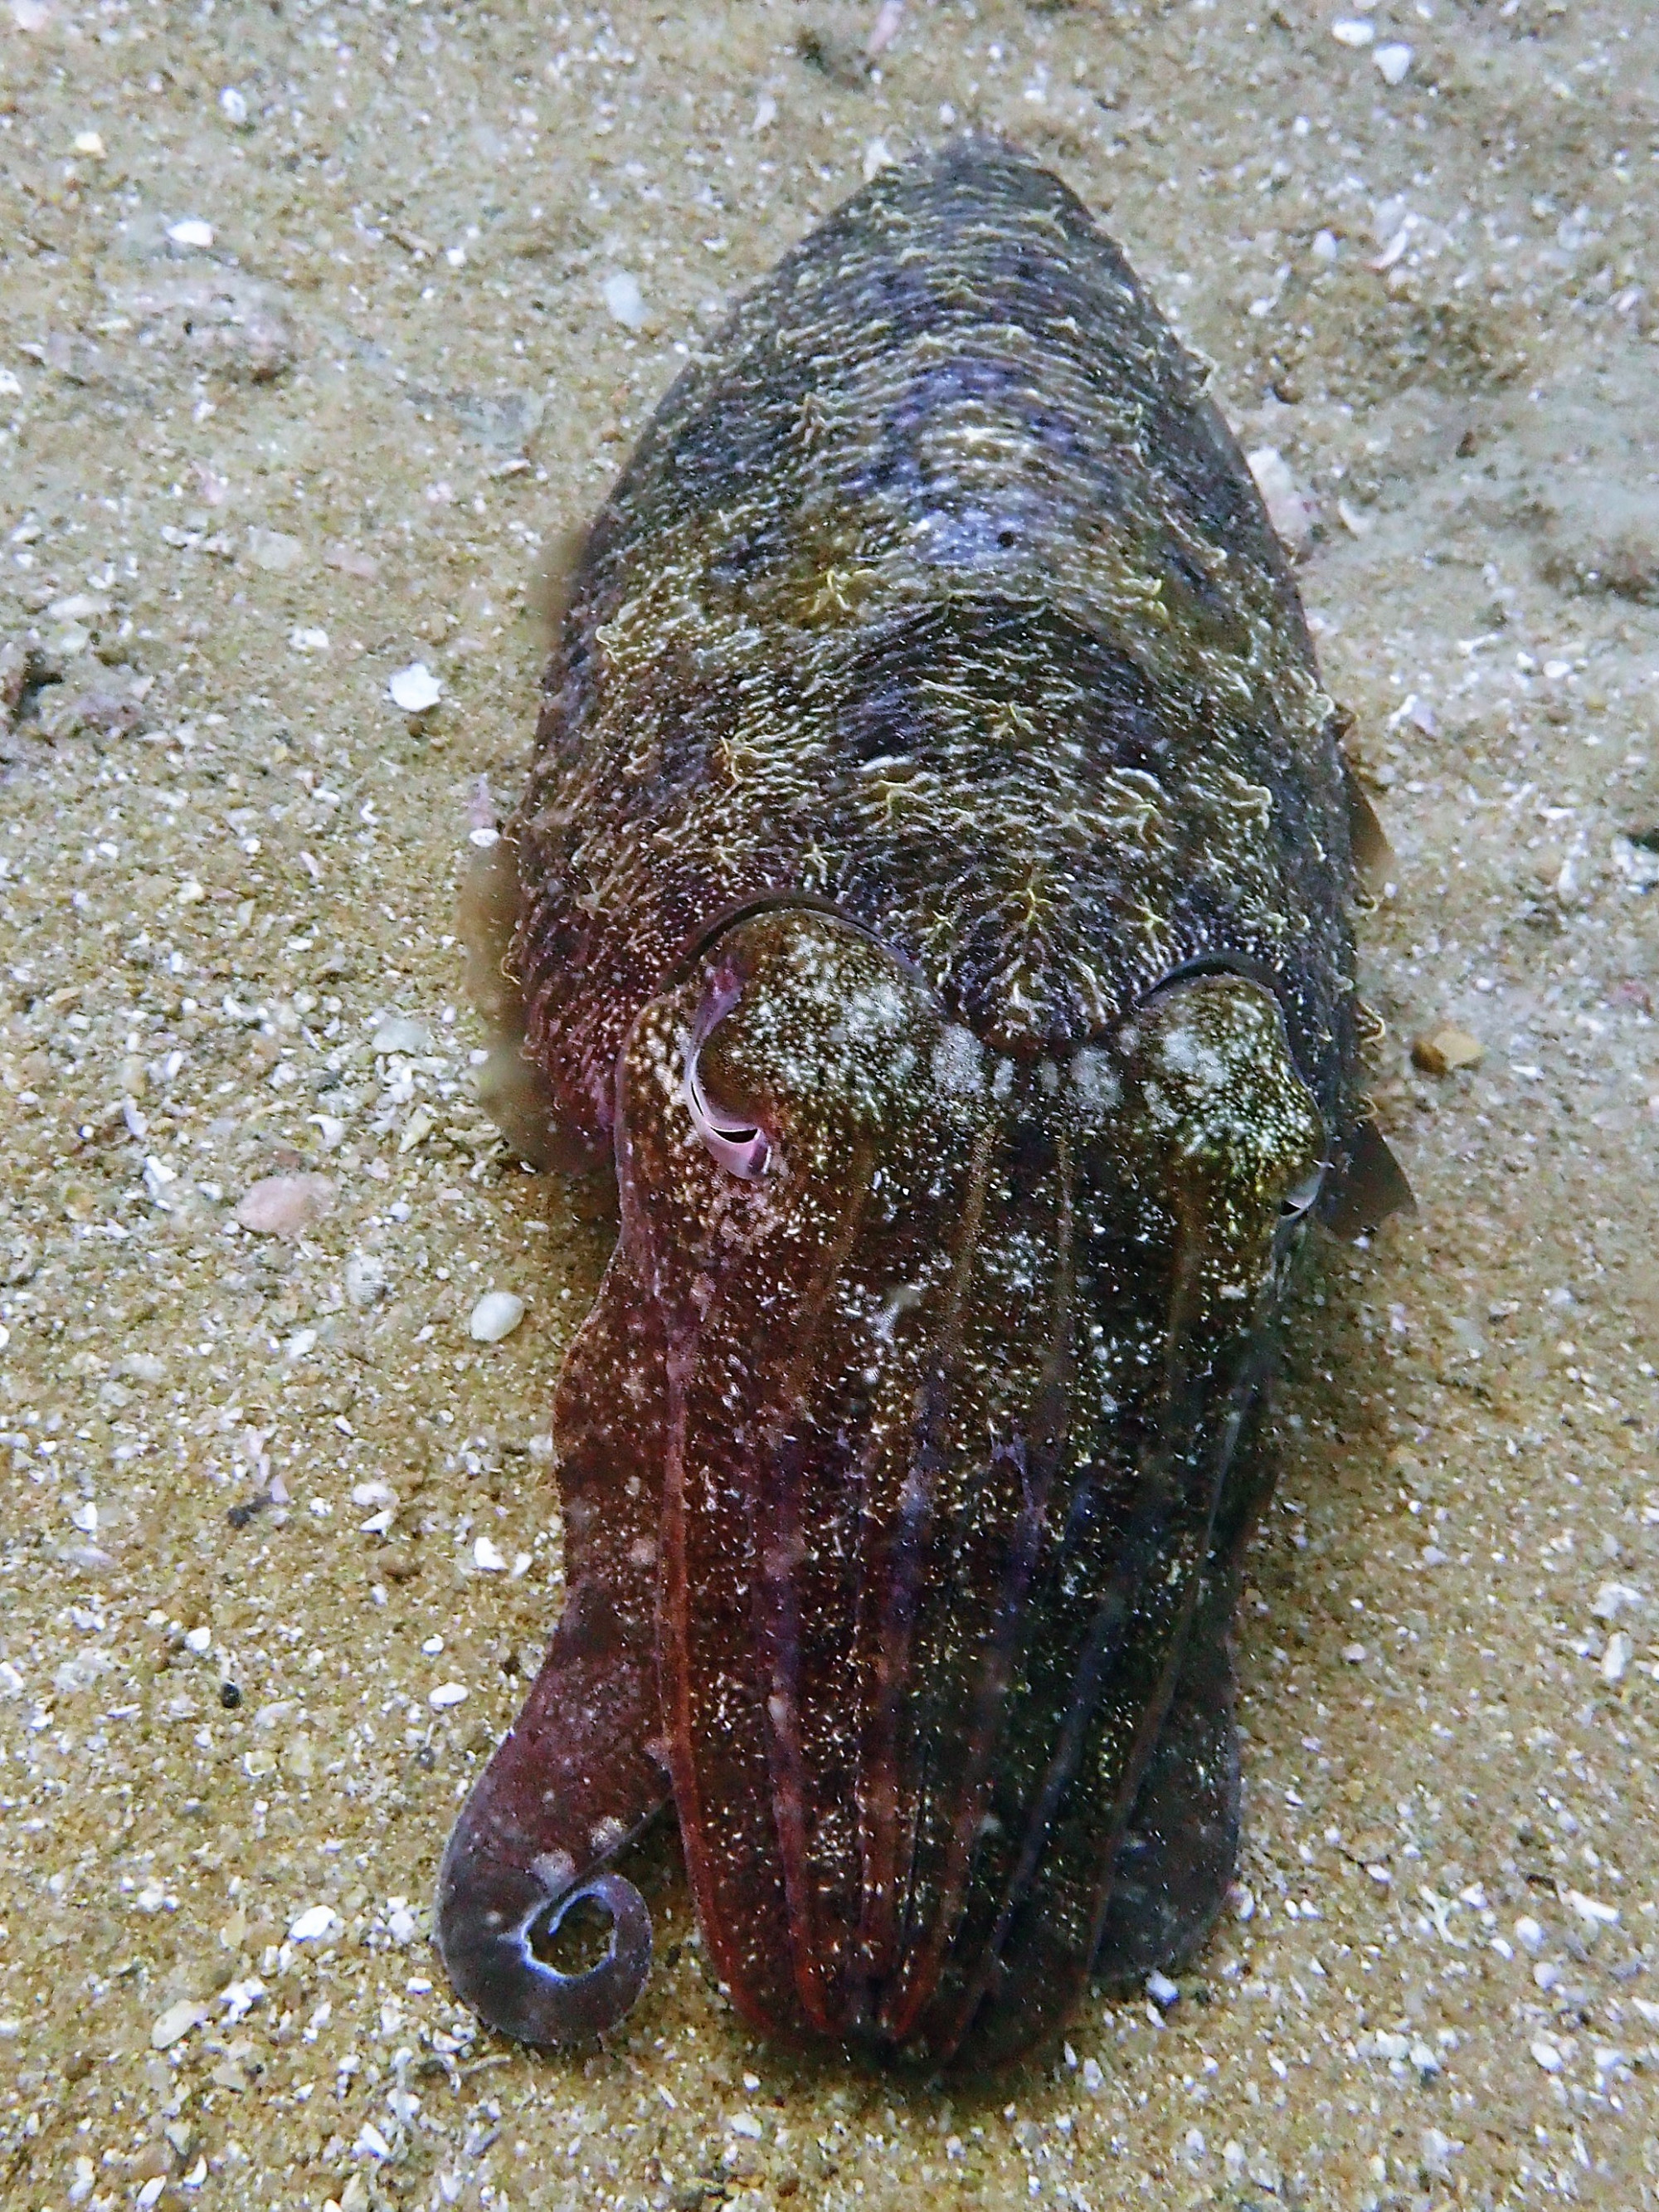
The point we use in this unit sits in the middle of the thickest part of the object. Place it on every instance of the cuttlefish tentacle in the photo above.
(578, 1776)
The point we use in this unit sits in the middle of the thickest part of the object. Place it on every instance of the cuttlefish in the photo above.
(933, 893)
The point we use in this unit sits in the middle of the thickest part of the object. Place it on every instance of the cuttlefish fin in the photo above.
(577, 1776)
(512, 1087)
(1373, 856)
(1370, 1185)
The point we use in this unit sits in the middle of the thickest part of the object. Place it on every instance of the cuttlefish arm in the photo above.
(1178, 1853)
(576, 1776)
(1214, 1154)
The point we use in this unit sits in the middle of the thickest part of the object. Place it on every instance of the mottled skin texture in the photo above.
(933, 893)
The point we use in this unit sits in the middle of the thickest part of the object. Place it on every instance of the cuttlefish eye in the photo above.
(806, 1046)
(739, 1146)
(1300, 1200)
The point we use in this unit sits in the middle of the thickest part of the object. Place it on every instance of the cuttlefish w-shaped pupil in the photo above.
(739, 1146)
(1302, 1199)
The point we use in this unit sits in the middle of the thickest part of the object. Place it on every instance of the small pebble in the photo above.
(1446, 1050)
(1162, 1990)
(496, 1315)
(365, 1279)
(1287, 510)
(1592, 1909)
(1352, 31)
(1547, 2055)
(285, 1205)
(1527, 1933)
(415, 689)
(401, 1033)
(78, 607)
(446, 1694)
(191, 231)
(233, 105)
(176, 2022)
(315, 1923)
(1613, 1598)
(1394, 61)
(275, 550)
(1439, 2151)
(487, 1559)
(624, 300)
(884, 29)
(419, 1126)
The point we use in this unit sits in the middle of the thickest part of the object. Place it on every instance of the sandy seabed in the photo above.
(317, 325)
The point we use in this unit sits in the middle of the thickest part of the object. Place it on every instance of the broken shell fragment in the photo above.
(285, 1205)
(1444, 1051)
(496, 1315)
(416, 689)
